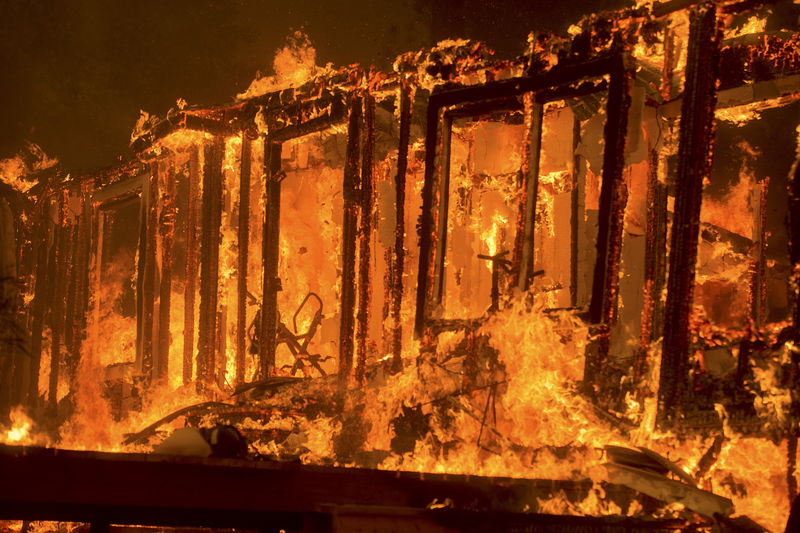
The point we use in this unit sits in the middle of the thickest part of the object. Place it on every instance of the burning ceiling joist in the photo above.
(466, 264)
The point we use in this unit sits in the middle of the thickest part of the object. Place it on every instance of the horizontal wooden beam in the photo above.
(149, 489)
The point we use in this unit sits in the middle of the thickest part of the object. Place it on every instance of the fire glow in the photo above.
(467, 265)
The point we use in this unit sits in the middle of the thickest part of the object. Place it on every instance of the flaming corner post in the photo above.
(694, 165)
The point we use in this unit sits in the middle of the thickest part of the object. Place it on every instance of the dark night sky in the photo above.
(75, 73)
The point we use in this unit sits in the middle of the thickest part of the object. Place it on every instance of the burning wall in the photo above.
(584, 265)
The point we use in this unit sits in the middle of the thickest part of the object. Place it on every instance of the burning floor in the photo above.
(546, 293)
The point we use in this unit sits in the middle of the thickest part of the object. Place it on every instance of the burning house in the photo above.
(554, 292)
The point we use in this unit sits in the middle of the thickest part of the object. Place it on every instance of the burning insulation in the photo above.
(576, 265)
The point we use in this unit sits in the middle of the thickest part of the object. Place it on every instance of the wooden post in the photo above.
(84, 251)
(365, 234)
(694, 165)
(45, 259)
(57, 308)
(166, 228)
(271, 253)
(209, 260)
(398, 265)
(241, 271)
(148, 294)
(613, 198)
(534, 114)
(349, 229)
(427, 231)
(190, 286)
(654, 264)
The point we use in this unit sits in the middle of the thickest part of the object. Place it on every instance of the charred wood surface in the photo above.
(366, 209)
(148, 285)
(694, 165)
(398, 261)
(243, 238)
(166, 231)
(271, 253)
(190, 286)
(57, 307)
(209, 260)
(45, 257)
(613, 199)
(349, 236)
(144, 489)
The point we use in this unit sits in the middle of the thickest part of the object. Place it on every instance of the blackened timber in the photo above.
(443, 208)
(577, 196)
(271, 254)
(400, 229)
(793, 225)
(654, 262)
(694, 160)
(190, 286)
(45, 257)
(365, 236)
(758, 292)
(70, 299)
(209, 260)
(243, 238)
(148, 296)
(534, 113)
(166, 229)
(349, 235)
(613, 198)
(61, 245)
(425, 227)
(83, 261)
(40, 484)
(561, 74)
(486, 107)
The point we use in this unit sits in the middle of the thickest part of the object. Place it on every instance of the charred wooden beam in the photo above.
(426, 231)
(534, 114)
(758, 291)
(365, 235)
(299, 126)
(349, 236)
(694, 157)
(70, 299)
(271, 253)
(443, 206)
(45, 260)
(190, 285)
(57, 306)
(243, 237)
(148, 285)
(40, 484)
(793, 225)
(655, 264)
(83, 261)
(577, 206)
(209, 260)
(613, 198)
(561, 74)
(166, 228)
(398, 264)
